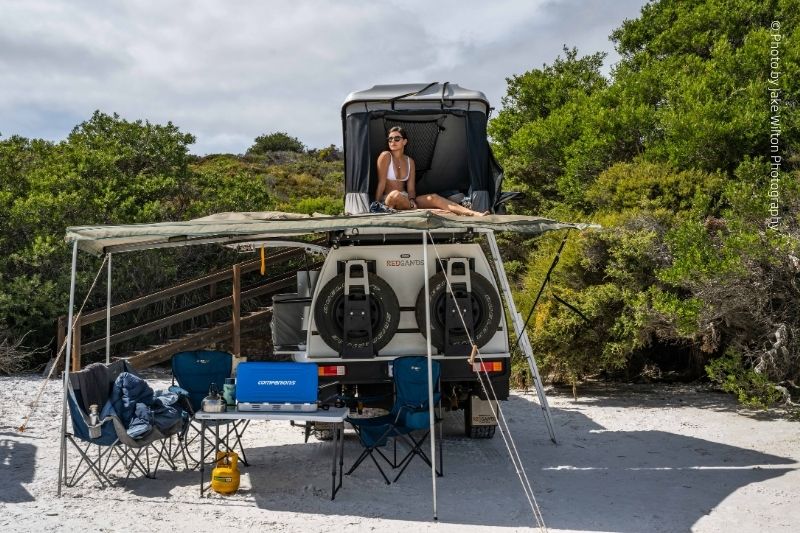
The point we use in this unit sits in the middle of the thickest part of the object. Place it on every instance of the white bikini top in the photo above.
(391, 176)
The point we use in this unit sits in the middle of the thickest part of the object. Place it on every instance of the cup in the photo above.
(229, 391)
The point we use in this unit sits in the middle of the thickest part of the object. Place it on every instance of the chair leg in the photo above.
(368, 451)
(93, 466)
(358, 461)
(371, 456)
(416, 450)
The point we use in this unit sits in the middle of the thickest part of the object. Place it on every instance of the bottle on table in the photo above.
(94, 421)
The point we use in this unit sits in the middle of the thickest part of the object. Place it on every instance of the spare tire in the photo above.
(486, 310)
(383, 307)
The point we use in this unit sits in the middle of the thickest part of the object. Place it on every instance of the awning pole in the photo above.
(430, 368)
(62, 462)
(108, 314)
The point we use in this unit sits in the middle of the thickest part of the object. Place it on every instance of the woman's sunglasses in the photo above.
(395, 139)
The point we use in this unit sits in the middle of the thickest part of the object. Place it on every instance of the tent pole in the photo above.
(108, 314)
(524, 344)
(430, 369)
(62, 462)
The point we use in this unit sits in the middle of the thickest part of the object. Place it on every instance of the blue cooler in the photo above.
(273, 386)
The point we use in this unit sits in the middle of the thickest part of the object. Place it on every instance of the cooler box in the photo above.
(273, 386)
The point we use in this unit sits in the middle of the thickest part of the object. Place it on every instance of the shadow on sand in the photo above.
(17, 466)
(594, 479)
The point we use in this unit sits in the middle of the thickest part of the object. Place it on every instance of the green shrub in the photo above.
(278, 141)
(320, 204)
(751, 388)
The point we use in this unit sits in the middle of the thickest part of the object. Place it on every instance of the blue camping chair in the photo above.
(103, 447)
(410, 414)
(195, 372)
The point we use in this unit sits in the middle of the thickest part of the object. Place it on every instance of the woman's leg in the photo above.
(434, 201)
(397, 200)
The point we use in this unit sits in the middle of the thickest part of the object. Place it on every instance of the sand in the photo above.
(628, 459)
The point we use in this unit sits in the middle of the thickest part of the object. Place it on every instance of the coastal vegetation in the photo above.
(681, 153)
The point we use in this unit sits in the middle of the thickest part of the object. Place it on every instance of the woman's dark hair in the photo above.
(399, 130)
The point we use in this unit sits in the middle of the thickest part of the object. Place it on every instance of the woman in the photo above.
(397, 180)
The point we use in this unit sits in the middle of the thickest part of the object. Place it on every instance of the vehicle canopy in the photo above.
(446, 127)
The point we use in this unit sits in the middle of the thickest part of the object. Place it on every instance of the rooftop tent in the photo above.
(446, 126)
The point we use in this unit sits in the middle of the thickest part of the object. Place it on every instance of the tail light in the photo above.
(487, 366)
(331, 370)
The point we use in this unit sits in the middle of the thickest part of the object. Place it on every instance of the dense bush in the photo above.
(275, 142)
(113, 171)
(671, 156)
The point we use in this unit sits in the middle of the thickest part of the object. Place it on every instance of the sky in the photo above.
(228, 71)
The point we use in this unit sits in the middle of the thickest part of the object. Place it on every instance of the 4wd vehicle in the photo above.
(366, 305)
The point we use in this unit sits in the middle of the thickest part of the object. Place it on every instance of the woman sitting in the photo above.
(397, 180)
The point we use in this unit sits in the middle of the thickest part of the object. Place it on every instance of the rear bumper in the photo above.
(454, 371)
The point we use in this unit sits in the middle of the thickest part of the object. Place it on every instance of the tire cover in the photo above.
(486, 310)
(329, 312)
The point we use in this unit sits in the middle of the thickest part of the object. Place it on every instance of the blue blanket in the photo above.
(140, 409)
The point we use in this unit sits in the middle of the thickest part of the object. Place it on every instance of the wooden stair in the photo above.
(194, 340)
(219, 331)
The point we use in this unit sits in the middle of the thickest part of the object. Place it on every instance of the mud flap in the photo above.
(479, 420)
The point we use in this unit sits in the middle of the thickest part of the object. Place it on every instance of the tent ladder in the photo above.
(520, 332)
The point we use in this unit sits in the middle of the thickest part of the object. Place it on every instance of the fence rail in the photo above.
(217, 332)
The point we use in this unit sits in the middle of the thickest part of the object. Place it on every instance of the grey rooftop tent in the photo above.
(446, 126)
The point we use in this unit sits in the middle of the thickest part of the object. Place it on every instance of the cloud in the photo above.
(229, 71)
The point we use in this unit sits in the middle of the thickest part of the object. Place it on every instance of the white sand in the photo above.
(637, 458)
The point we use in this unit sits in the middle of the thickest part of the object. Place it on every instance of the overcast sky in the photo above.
(228, 71)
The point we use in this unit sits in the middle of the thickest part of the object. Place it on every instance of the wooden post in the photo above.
(212, 295)
(76, 346)
(62, 333)
(237, 301)
(61, 336)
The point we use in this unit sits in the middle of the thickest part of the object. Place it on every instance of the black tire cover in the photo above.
(486, 310)
(329, 314)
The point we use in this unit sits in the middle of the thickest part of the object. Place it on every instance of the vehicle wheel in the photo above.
(383, 307)
(481, 432)
(486, 310)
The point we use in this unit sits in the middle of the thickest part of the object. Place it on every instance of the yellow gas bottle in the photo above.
(225, 476)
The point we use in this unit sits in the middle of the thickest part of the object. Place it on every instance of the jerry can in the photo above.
(225, 476)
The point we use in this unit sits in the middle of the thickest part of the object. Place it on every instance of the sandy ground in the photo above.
(629, 459)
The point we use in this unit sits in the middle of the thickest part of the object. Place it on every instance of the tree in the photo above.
(107, 171)
(275, 142)
(670, 156)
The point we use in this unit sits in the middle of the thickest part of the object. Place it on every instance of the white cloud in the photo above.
(229, 71)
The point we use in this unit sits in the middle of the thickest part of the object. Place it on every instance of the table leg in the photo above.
(333, 462)
(338, 449)
(202, 454)
(341, 454)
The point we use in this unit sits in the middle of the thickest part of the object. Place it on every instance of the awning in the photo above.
(233, 227)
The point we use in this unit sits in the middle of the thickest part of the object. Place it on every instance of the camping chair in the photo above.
(195, 372)
(409, 414)
(109, 439)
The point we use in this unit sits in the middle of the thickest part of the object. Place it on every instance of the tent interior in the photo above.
(446, 128)
(441, 145)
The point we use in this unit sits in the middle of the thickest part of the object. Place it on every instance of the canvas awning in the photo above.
(233, 227)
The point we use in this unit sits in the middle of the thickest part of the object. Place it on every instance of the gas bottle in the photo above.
(225, 476)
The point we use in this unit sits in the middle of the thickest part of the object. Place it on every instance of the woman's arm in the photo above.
(411, 186)
(383, 172)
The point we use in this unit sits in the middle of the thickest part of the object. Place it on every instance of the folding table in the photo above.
(335, 416)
